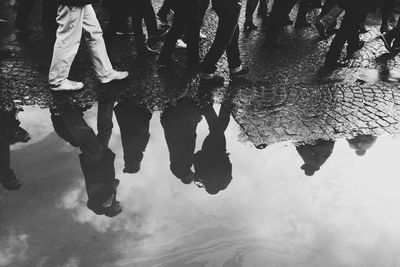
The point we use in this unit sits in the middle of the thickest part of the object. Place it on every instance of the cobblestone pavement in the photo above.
(284, 97)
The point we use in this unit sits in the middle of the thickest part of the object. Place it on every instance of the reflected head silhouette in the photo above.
(362, 143)
(315, 155)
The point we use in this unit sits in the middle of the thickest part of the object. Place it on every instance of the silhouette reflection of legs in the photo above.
(10, 133)
(97, 162)
(180, 124)
(134, 124)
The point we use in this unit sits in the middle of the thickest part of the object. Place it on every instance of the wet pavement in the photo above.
(283, 168)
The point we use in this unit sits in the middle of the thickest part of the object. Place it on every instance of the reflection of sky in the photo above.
(270, 215)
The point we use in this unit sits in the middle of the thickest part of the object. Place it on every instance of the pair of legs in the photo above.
(277, 19)
(186, 19)
(97, 161)
(118, 17)
(72, 21)
(226, 39)
(348, 32)
(251, 6)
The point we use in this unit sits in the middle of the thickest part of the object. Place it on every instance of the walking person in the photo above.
(226, 40)
(73, 16)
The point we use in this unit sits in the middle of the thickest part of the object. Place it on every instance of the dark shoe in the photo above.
(158, 34)
(385, 28)
(19, 135)
(214, 80)
(321, 29)
(249, 26)
(144, 50)
(188, 178)
(387, 42)
(352, 50)
(243, 71)
(103, 192)
(332, 65)
(10, 181)
(164, 62)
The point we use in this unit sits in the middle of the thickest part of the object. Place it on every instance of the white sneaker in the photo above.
(180, 44)
(67, 85)
(202, 35)
(115, 75)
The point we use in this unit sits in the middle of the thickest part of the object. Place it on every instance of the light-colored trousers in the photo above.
(71, 21)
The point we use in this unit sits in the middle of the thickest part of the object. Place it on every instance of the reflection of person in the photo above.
(213, 168)
(362, 143)
(134, 124)
(10, 133)
(315, 155)
(180, 124)
(97, 161)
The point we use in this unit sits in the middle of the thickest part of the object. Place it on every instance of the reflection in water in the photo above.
(97, 160)
(362, 143)
(212, 164)
(180, 124)
(315, 155)
(10, 133)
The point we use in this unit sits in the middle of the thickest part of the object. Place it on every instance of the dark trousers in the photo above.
(118, 17)
(279, 13)
(226, 38)
(348, 32)
(394, 34)
(6, 119)
(387, 7)
(186, 19)
(25, 7)
(166, 7)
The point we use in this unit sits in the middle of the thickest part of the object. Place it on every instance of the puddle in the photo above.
(331, 203)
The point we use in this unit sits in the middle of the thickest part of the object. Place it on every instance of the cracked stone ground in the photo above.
(283, 98)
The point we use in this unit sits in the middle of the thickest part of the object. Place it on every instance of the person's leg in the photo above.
(203, 6)
(24, 8)
(49, 15)
(233, 52)
(250, 8)
(353, 41)
(279, 14)
(69, 34)
(192, 32)
(95, 43)
(228, 15)
(344, 33)
(263, 8)
(176, 31)
(116, 19)
(301, 20)
(149, 17)
(387, 7)
(164, 10)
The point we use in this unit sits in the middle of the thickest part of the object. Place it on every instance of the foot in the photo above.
(387, 42)
(9, 181)
(351, 51)
(211, 80)
(67, 85)
(385, 28)
(330, 65)
(239, 71)
(321, 29)
(249, 26)
(115, 76)
(180, 44)
(158, 34)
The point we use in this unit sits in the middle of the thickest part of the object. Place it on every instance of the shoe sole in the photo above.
(65, 90)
